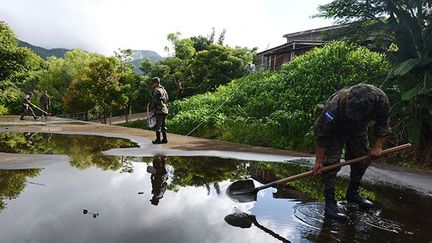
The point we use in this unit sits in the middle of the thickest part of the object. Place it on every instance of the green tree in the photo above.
(199, 64)
(19, 69)
(60, 77)
(98, 88)
(410, 82)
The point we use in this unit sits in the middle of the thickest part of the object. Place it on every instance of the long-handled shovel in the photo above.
(243, 220)
(44, 112)
(245, 190)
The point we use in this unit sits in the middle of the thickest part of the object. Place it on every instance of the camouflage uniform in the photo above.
(45, 102)
(160, 108)
(158, 179)
(28, 110)
(344, 122)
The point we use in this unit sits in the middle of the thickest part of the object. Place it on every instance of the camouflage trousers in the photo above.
(355, 146)
(28, 111)
(160, 125)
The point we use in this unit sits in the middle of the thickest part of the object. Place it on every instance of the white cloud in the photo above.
(105, 25)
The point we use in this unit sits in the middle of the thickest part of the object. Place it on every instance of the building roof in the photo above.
(312, 31)
(293, 45)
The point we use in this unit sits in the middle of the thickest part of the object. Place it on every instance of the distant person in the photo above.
(159, 108)
(343, 122)
(45, 102)
(28, 110)
(158, 179)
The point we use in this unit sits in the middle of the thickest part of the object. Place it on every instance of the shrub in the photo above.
(276, 108)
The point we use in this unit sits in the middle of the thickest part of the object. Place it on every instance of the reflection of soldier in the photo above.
(160, 110)
(158, 178)
(45, 101)
(27, 106)
(29, 136)
(343, 123)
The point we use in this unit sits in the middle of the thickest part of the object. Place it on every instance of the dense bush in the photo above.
(276, 108)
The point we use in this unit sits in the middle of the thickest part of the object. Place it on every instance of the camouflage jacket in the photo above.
(159, 101)
(333, 122)
(45, 100)
(27, 100)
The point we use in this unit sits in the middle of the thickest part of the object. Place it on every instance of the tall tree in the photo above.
(409, 84)
(18, 70)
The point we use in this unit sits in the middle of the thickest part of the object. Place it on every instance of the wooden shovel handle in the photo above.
(335, 166)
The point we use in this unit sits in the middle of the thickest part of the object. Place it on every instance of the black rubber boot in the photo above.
(331, 208)
(157, 141)
(164, 139)
(352, 196)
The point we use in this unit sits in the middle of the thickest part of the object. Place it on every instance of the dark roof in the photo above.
(311, 31)
(293, 45)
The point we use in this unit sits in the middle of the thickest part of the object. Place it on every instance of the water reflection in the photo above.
(244, 220)
(159, 177)
(84, 151)
(13, 182)
(187, 192)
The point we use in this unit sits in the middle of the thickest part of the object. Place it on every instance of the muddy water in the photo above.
(90, 197)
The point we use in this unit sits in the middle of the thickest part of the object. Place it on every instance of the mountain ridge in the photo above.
(137, 55)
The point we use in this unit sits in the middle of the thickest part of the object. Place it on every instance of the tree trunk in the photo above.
(127, 113)
(423, 148)
(110, 115)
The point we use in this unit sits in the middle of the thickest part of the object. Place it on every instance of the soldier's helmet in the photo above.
(359, 102)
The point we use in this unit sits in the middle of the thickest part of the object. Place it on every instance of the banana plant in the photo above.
(409, 83)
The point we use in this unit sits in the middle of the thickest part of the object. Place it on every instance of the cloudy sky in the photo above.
(105, 25)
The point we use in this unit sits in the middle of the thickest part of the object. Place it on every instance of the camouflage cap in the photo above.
(154, 80)
(359, 101)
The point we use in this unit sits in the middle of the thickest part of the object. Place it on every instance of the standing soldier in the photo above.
(27, 106)
(343, 123)
(45, 102)
(160, 110)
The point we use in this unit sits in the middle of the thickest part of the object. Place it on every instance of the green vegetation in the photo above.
(18, 71)
(13, 182)
(84, 151)
(199, 64)
(407, 28)
(276, 109)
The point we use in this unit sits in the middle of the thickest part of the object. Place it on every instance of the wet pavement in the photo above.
(88, 196)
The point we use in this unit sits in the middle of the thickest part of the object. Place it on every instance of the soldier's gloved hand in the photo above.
(317, 168)
(375, 152)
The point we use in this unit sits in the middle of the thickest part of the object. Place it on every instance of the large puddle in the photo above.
(91, 197)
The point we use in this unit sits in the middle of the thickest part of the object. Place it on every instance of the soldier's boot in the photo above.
(164, 139)
(352, 196)
(158, 140)
(331, 208)
(22, 117)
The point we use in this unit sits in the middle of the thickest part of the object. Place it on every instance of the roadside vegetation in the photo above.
(215, 94)
(276, 109)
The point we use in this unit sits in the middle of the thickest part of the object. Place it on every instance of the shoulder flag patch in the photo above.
(329, 116)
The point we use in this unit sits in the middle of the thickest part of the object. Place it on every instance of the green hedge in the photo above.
(275, 109)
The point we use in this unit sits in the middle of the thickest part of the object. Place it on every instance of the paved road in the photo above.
(122, 119)
(189, 146)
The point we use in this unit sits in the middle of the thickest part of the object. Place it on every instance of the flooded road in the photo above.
(91, 197)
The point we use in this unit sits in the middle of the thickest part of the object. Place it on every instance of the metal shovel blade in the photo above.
(242, 191)
(238, 220)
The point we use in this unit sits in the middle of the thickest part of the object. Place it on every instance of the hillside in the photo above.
(137, 55)
(140, 55)
(42, 52)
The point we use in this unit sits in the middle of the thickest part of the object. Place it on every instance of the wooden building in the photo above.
(297, 44)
